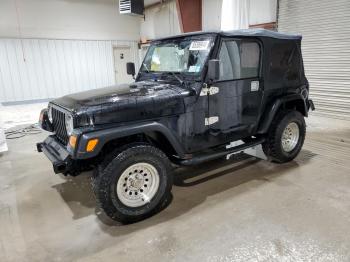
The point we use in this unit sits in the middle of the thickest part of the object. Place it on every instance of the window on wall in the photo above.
(239, 59)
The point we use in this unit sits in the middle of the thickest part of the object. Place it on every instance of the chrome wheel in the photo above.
(138, 184)
(290, 137)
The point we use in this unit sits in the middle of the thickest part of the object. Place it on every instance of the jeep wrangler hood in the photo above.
(127, 102)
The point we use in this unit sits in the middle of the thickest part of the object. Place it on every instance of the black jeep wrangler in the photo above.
(193, 95)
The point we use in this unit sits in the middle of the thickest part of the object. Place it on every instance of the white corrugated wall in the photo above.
(325, 26)
(34, 69)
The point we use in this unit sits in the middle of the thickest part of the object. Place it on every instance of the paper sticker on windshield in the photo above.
(199, 45)
(194, 69)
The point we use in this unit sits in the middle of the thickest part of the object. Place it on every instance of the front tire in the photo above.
(135, 184)
(286, 136)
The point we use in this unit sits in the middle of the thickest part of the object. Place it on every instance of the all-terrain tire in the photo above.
(106, 177)
(99, 168)
(273, 147)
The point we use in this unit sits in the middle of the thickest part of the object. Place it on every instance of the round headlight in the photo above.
(69, 124)
(49, 114)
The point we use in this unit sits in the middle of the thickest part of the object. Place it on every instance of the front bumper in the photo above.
(57, 154)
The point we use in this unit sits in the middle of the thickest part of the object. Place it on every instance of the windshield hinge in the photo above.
(209, 90)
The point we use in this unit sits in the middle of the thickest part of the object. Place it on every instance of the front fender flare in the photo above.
(271, 110)
(109, 134)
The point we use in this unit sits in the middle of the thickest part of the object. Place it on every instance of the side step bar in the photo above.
(219, 153)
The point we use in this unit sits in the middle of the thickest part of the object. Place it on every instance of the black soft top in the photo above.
(242, 32)
(282, 61)
(261, 33)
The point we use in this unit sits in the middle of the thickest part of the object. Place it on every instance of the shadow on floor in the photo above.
(192, 186)
(77, 193)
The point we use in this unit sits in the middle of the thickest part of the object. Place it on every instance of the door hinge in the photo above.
(211, 120)
(209, 90)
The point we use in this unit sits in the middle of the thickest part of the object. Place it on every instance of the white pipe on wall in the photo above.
(232, 14)
(235, 14)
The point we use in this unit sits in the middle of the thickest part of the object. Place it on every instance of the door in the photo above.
(122, 55)
(235, 99)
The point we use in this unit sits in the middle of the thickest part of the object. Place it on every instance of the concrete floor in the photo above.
(21, 114)
(248, 210)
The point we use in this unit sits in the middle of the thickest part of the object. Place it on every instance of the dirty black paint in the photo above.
(182, 109)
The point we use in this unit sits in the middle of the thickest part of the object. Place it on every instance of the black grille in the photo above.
(58, 119)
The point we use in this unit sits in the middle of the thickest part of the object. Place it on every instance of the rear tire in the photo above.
(135, 184)
(286, 136)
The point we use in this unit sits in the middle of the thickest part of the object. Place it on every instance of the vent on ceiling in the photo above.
(131, 7)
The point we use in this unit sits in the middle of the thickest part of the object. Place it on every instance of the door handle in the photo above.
(254, 86)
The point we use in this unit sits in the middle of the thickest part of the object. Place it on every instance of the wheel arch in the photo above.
(153, 132)
(293, 101)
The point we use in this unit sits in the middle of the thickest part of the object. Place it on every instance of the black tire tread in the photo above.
(271, 146)
(102, 180)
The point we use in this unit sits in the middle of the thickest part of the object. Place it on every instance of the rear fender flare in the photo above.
(271, 110)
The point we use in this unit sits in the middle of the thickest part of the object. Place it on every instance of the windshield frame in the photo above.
(144, 74)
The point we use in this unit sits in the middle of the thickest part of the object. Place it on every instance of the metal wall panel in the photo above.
(32, 69)
(325, 26)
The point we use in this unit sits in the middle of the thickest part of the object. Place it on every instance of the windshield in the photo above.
(184, 55)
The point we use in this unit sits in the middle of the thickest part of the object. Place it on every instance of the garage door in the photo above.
(325, 26)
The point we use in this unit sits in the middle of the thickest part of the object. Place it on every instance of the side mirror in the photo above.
(130, 68)
(214, 69)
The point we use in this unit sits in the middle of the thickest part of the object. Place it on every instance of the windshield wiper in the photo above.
(181, 81)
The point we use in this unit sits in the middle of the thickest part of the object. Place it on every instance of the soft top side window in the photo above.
(285, 63)
(239, 59)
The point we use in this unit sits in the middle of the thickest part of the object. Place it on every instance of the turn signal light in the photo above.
(91, 145)
(72, 141)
